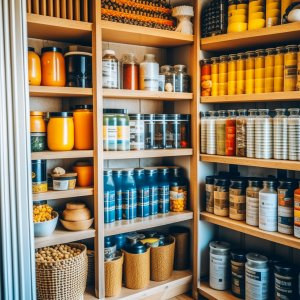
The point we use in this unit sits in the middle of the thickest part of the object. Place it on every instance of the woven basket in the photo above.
(162, 260)
(63, 280)
(113, 276)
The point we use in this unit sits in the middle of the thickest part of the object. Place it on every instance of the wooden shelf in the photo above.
(178, 283)
(211, 294)
(58, 91)
(129, 94)
(89, 293)
(48, 154)
(143, 36)
(58, 29)
(241, 226)
(253, 162)
(77, 192)
(280, 35)
(144, 223)
(147, 153)
(267, 97)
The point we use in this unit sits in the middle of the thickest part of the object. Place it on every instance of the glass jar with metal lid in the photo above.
(168, 71)
(182, 79)
(293, 123)
(149, 121)
(252, 201)
(221, 196)
(39, 176)
(185, 126)
(253, 113)
(279, 69)
(204, 115)
(160, 130)
(290, 68)
(109, 130)
(37, 131)
(238, 261)
(137, 140)
(237, 198)
(173, 133)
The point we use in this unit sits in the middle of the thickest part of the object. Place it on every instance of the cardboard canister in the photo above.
(162, 260)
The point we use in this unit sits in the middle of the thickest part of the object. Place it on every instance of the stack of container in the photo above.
(279, 69)
(215, 76)
(273, 13)
(294, 134)
(237, 16)
(223, 75)
(257, 18)
(232, 74)
(251, 132)
(269, 70)
(211, 133)
(280, 134)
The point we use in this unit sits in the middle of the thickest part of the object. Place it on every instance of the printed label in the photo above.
(123, 133)
(118, 212)
(143, 202)
(219, 272)
(268, 213)
(136, 135)
(109, 74)
(163, 199)
(129, 204)
(109, 207)
(285, 288)
(150, 83)
(257, 284)
(209, 198)
(297, 201)
(153, 200)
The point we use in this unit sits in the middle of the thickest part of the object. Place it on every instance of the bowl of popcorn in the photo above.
(44, 219)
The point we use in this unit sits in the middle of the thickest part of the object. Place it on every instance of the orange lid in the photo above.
(36, 113)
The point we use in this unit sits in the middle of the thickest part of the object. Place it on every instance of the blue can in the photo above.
(163, 190)
(129, 202)
(142, 193)
(119, 240)
(151, 179)
(117, 177)
(109, 197)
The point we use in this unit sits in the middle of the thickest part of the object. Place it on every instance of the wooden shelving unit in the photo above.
(206, 291)
(47, 154)
(51, 91)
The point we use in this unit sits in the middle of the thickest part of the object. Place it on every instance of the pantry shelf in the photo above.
(143, 36)
(211, 294)
(61, 154)
(145, 223)
(147, 153)
(179, 283)
(241, 226)
(149, 95)
(280, 35)
(51, 194)
(57, 91)
(253, 162)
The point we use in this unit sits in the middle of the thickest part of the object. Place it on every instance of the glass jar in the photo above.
(221, 132)
(223, 75)
(151, 179)
(60, 131)
(203, 131)
(280, 128)
(37, 131)
(39, 176)
(137, 129)
(279, 69)
(250, 72)
(253, 113)
(109, 197)
(142, 187)
(123, 129)
(215, 76)
(178, 189)
(34, 67)
(53, 67)
(269, 70)
(231, 133)
(241, 74)
(173, 133)
(206, 83)
(83, 126)
(185, 125)
(130, 68)
(260, 71)
(110, 70)
(297, 212)
(268, 206)
(237, 199)
(161, 82)
(182, 79)
(290, 68)
(129, 202)
(241, 133)
(160, 130)
(209, 193)
(109, 131)
(238, 261)
(169, 73)
(293, 124)
(117, 177)
(211, 133)
(221, 196)
(163, 184)
(232, 74)
(149, 72)
(149, 120)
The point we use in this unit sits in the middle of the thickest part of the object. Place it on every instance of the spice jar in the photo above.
(279, 69)
(297, 212)
(215, 76)
(129, 195)
(293, 124)
(221, 197)
(231, 133)
(211, 136)
(206, 82)
(260, 71)
(185, 125)
(34, 67)
(241, 74)
(252, 201)
(169, 73)
(221, 132)
(109, 131)
(53, 67)
(280, 128)
(223, 75)
(253, 113)
(39, 176)
(250, 72)
(241, 134)
(209, 193)
(37, 131)
(109, 196)
(237, 199)
(130, 71)
(182, 79)
(149, 71)
(137, 140)
(238, 281)
(203, 129)
(149, 120)
(60, 131)
(173, 134)
(232, 74)
(110, 70)
(290, 68)
(160, 130)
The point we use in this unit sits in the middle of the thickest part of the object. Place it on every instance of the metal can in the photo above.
(238, 261)
(39, 176)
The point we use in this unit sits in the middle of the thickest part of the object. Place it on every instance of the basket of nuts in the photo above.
(61, 272)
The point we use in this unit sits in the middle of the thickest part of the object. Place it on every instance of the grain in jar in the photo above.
(252, 201)
(169, 73)
(215, 76)
(297, 212)
(182, 79)
(209, 193)
(219, 265)
(250, 72)
(203, 128)
(223, 75)
(232, 74)
(269, 70)
(260, 71)
(253, 113)
(272, 261)
(293, 123)
(238, 261)
(237, 199)
(221, 196)
(211, 136)
(221, 132)
(231, 133)
(280, 128)
(173, 134)
(241, 74)
(279, 69)
(290, 68)
(241, 133)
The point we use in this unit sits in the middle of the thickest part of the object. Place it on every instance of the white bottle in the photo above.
(110, 70)
(149, 73)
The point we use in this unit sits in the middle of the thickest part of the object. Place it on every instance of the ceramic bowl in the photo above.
(46, 228)
(77, 225)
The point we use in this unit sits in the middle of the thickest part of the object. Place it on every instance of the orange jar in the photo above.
(34, 67)
(37, 123)
(85, 175)
(60, 131)
(83, 124)
(53, 67)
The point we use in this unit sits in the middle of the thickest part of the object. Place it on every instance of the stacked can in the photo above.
(251, 132)
(211, 141)
(280, 134)
(294, 134)
(204, 117)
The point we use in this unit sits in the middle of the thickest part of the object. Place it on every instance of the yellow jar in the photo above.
(279, 69)
(215, 76)
(223, 75)
(290, 68)
(232, 65)
(269, 70)
(250, 72)
(241, 74)
(260, 71)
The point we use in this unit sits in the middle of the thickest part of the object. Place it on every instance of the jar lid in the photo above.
(61, 114)
(287, 180)
(107, 172)
(36, 113)
(160, 117)
(256, 182)
(185, 117)
(117, 171)
(127, 171)
(31, 49)
(222, 181)
(112, 52)
(286, 269)
(151, 171)
(82, 164)
(220, 246)
(78, 53)
(238, 255)
(239, 180)
(274, 259)
(210, 179)
(115, 111)
(173, 117)
(174, 170)
(163, 170)
(136, 116)
(139, 171)
(51, 49)
(256, 258)
(67, 176)
(81, 107)
(130, 57)
(149, 116)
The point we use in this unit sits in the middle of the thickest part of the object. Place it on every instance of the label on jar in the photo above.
(238, 278)
(237, 204)
(209, 198)
(129, 204)
(252, 210)
(118, 196)
(268, 213)
(109, 206)
(285, 287)
(60, 185)
(221, 139)
(285, 219)
(257, 284)
(185, 194)
(285, 198)
(110, 138)
(109, 74)
(123, 133)
(136, 135)
(290, 71)
(297, 202)
(143, 202)
(221, 201)
(150, 83)
(163, 199)
(153, 200)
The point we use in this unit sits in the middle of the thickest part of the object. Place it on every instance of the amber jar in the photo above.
(290, 68)
(34, 67)
(37, 131)
(130, 71)
(53, 67)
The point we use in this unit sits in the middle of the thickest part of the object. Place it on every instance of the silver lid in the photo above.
(221, 247)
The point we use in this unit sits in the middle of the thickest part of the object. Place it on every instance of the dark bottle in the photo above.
(129, 203)
(163, 190)
(142, 193)
(151, 179)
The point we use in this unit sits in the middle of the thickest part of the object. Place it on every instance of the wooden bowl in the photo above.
(77, 225)
(76, 212)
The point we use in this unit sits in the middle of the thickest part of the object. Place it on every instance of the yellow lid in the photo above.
(255, 9)
(150, 241)
(273, 1)
(256, 24)
(239, 12)
(237, 19)
(273, 5)
(237, 27)
(273, 13)
(257, 15)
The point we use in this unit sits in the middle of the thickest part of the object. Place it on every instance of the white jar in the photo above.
(149, 73)
(252, 202)
(111, 70)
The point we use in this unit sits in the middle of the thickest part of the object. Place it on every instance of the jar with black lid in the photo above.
(149, 131)
(160, 130)
(238, 261)
(221, 196)
(237, 199)
(173, 133)
(209, 191)
(272, 261)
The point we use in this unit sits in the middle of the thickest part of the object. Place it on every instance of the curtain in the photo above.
(17, 266)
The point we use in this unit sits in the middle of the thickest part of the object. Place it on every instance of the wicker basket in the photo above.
(63, 280)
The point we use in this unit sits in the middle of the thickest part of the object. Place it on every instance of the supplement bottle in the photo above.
(221, 197)
(109, 197)
(142, 193)
(129, 194)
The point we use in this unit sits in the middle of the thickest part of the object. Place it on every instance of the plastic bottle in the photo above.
(142, 193)
(149, 72)
(111, 70)
(129, 202)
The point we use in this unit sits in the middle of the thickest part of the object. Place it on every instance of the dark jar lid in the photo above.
(173, 117)
(60, 114)
(115, 111)
(210, 179)
(151, 171)
(31, 49)
(163, 170)
(175, 170)
(239, 182)
(161, 117)
(239, 255)
(126, 172)
(136, 116)
(82, 107)
(107, 172)
(39, 161)
(222, 181)
(274, 259)
(185, 117)
(117, 171)
(149, 116)
(51, 49)
(287, 181)
(285, 269)
(255, 182)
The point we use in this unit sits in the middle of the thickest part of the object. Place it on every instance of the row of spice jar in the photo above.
(128, 74)
(267, 203)
(250, 275)
(123, 131)
(64, 131)
(260, 71)
(74, 69)
(254, 136)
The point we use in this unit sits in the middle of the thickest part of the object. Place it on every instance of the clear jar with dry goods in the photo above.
(130, 74)
(203, 130)
(221, 197)
(149, 121)
(241, 133)
(111, 70)
(290, 68)
(182, 79)
(253, 113)
(169, 73)
(185, 129)
(173, 134)
(211, 136)
(221, 132)
(160, 131)
(237, 199)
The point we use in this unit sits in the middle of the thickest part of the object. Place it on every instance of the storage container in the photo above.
(293, 123)
(206, 83)
(252, 201)
(113, 276)
(64, 182)
(168, 72)
(237, 199)
(149, 72)
(290, 68)
(253, 113)
(142, 187)
(34, 67)
(163, 184)
(280, 127)
(129, 195)
(269, 70)
(272, 261)
(173, 133)
(260, 71)
(215, 76)
(241, 133)
(221, 196)
(160, 131)
(110, 142)
(209, 193)
(241, 74)
(149, 120)
(151, 178)
(130, 71)
(117, 177)
(111, 71)
(203, 131)
(182, 79)
(221, 132)
(232, 75)
(85, 175)
(279, 69)
(137, 129)
(39, 176)
(178, 189)
(238, 280)
(211, 133)
(37, 131)
(250, 72)
(185, 129)
(231, 133)
(223, 75)
(109, 197)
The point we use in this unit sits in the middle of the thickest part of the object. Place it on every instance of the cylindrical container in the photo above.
(85, 174)
(113, 276)
(83, 126)
(221, 197)
(272, 261)
(161, 82)
(182, 79)
(110, 142)
(160, 131)
(237, 199)
(137, 129)
(280, 129)
(149, 71)
(260, 71)
(232, 75)
(211, 136)
(221, 132)
(163, 190)
(231, 133)
(60, 131)
(169, 73)
(238, 261)
(297, 212)
(253, 113)
(173, 134)
(252, 201)
(268, 212)
(293, 123)
(250, 72)
(142, 188)
(241, 133)
(110, 70)
(130, 68)
(257, 277)
(223, 75)
(203, 129)
(123, 129)
(279, 69)
(149, 121)
(37, 131)
(34, 67)
(109, 197)
(53, 67)
(269, 70)
(178, 189)
(129, 202)
(290, 68)
(117, 177)
(273, 13)
(206, 82)
(39, 176)
(241, 74)
(151, 179)
(209, 192)
(185, 129)
(215, 76)
(298, 70)
(219, 265)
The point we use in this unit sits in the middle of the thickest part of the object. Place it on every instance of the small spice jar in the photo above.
(109, 130)
(64, 182)
(237, 199)
(37, 131)
(137, 140)
(185, 121)
(160, 130)
(34, 67)
(149, 120)
(39, 176)
(130, 71)
(252, 201)
(173, 134)
(182, 79)
(168, 71)
(221, 197)
(209, 192)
